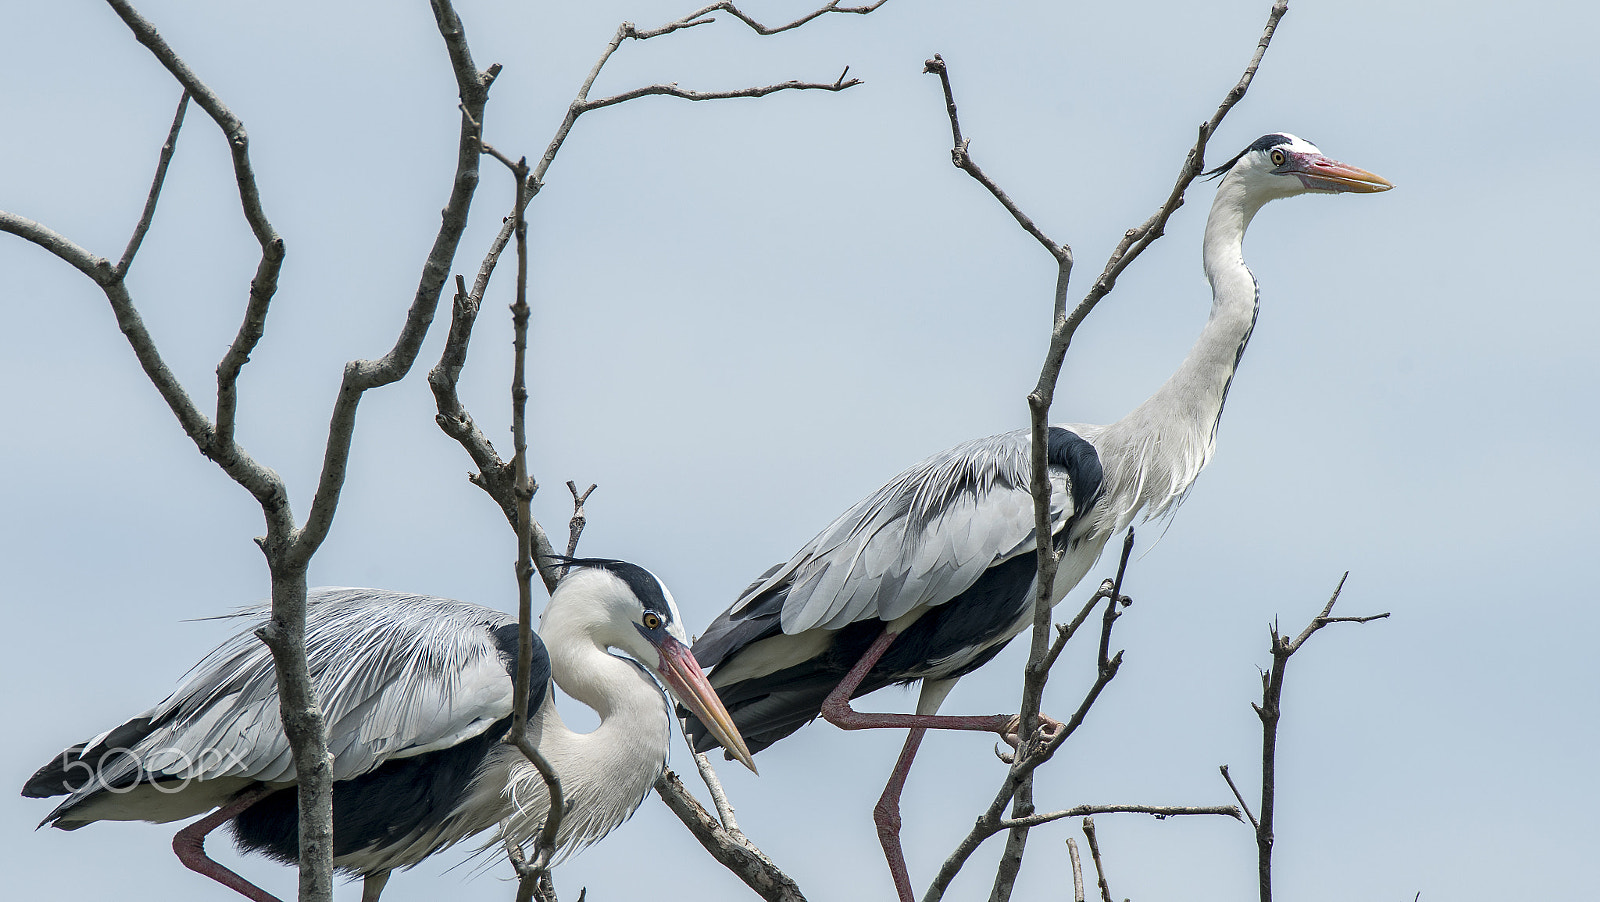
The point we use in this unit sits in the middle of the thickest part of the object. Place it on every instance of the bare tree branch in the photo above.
(698, 18)
(493, 475)
(963, 161)
(362, 375)
(735, 853)
(149, 214)
(579, 517)
(672, 90)
(264, 285)
(1039, 402)
(1077, 870)
(497, 478)
(1094, 852)
(1255, 824)
(1270, 711)
(1031, 753)
(63, 248)
(536, 872)
(719, 797)
(1158, 811)
(288, 549)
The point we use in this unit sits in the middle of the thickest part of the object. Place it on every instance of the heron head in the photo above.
(1282, 165)
(631, 610)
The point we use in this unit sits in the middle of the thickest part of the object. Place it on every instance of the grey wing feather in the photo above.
(398, 675)
(918, 541)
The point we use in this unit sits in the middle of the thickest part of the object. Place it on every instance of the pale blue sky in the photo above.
(749, 314)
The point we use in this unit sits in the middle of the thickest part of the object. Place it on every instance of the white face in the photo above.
(625, 607)
(631, 611)
(1283, 165)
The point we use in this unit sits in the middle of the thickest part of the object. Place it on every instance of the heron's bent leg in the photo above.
(373, 885)
(837, 711)
(190, 846)
(887, 815)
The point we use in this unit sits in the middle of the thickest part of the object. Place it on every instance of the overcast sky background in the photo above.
(749, 314)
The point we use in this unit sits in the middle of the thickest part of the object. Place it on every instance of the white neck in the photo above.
(1152, 455)
(605, 773)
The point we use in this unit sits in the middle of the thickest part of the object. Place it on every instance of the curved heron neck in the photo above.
(1155, 452)
(606, 772)
(617, 689)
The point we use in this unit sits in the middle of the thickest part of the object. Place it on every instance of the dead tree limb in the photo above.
(288, 548)
(1064, 328)
(493, 474)
(1270, 711)
(500, 479)
(735, 853)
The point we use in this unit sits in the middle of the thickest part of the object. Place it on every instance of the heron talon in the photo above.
(1005, 757)
(1049, 729)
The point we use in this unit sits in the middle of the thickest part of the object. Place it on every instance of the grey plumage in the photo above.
(941, 555)
(399, 676)
(417, 694)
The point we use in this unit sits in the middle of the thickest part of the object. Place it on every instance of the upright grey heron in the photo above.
(417, 691)
(930, 576)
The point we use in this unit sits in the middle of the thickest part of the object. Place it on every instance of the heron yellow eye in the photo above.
(1277, 158)
(651, 620)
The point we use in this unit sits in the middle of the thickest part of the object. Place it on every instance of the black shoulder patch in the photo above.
(1073, 453)
(506, 640)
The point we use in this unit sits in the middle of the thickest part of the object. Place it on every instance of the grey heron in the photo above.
(931, 575)
(417, 691)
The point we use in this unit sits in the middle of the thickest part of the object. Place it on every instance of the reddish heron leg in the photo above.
(837, 711)
(887, 815)
(190, 844)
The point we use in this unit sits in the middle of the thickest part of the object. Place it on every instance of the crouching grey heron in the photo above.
(417, 691)
(930, 576)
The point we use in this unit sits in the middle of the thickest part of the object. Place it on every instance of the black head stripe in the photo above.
(1265, 142)
(644, 586)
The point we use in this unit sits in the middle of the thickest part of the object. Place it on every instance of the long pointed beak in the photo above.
(1319, 173)
(688, 682)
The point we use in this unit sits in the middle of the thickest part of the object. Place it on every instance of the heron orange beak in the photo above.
(1319, 173)
(688, 682)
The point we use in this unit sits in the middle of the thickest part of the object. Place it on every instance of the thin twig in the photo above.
(672, 90)
(1077, 870)
(363, 375)
(1158, 811)
(737, 854)
(962, 159)
(162, 162)
(1270, 711)
(1255, 824)
(494, 474)
(1094, 852)
(719, 797)
(535, 871)
(579, 518)
(697, 17)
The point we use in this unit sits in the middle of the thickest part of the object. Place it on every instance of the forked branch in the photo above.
(1270, 711)
(1018, 785)
(493, 473)
(499, 479)
(288, 549)
(536, 872)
